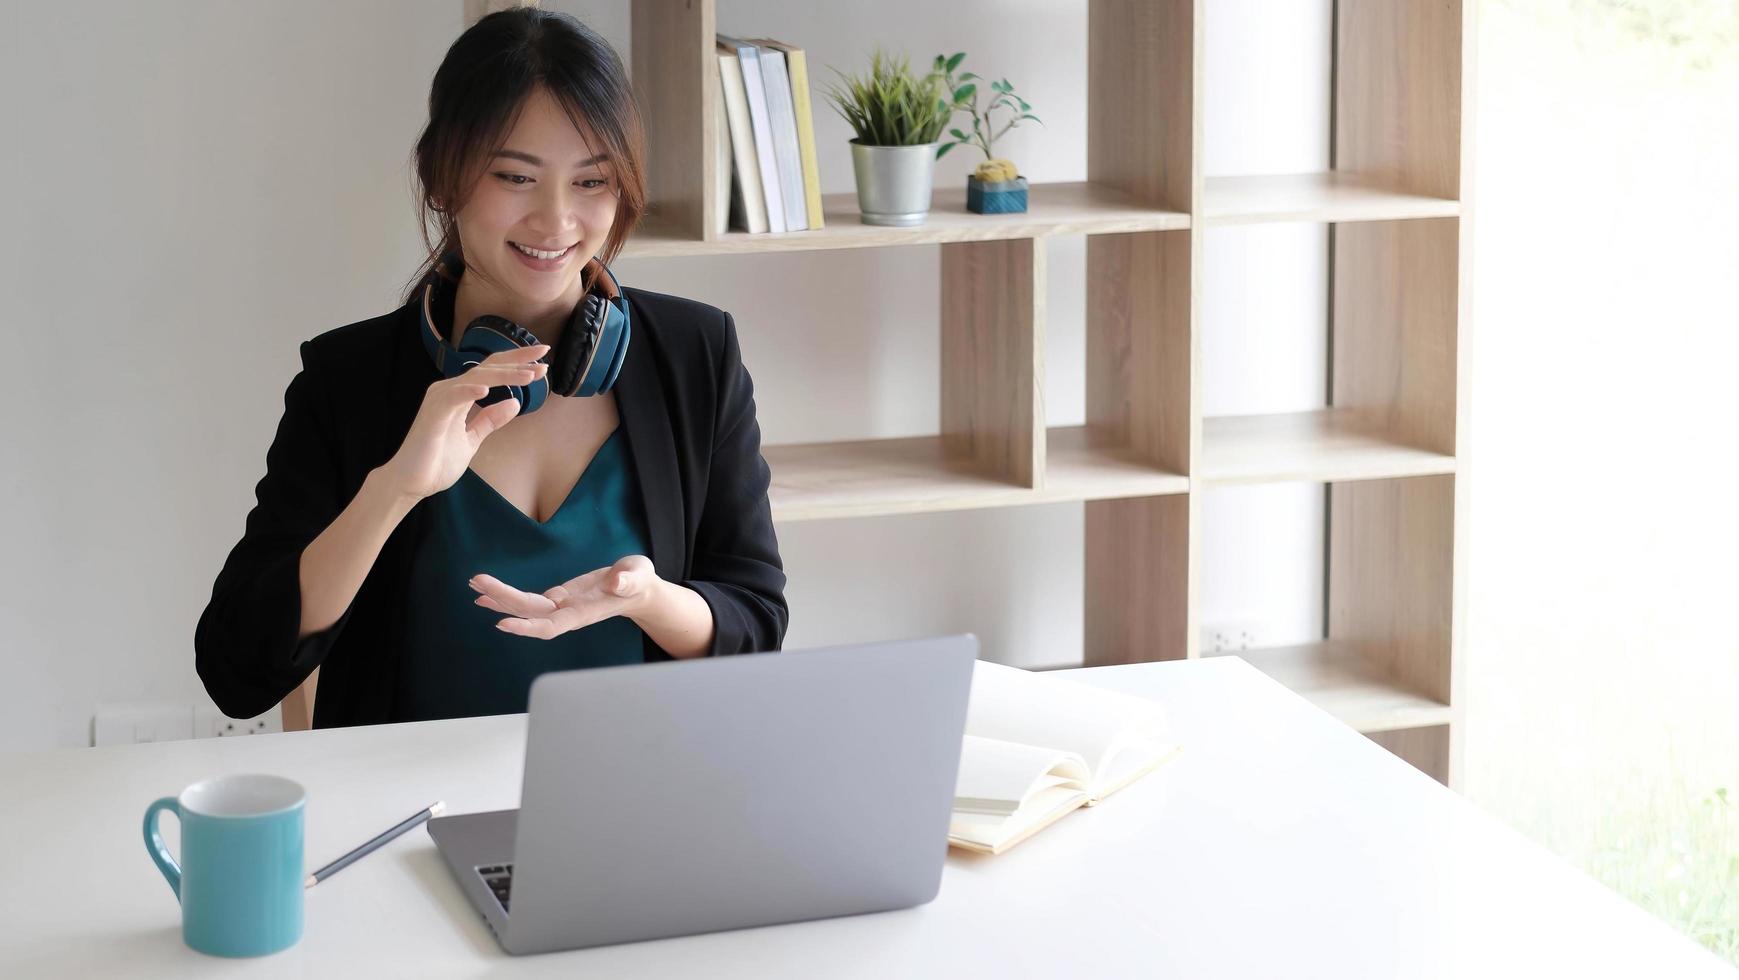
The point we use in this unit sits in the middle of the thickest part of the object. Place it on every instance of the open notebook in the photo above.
(1038, 747)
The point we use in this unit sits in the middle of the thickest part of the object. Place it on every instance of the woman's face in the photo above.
(544, 190)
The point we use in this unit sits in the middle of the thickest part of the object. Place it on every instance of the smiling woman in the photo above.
(447, 512)
(533, 99)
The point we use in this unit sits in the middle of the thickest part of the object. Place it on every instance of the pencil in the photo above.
(434, 810)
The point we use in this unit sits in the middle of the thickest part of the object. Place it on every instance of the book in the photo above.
(723, 202)
(748, 209)
(1039, 747)
(784, 126)
(797, 66)
(748, 56)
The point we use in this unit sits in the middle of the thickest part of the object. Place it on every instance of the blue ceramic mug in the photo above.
(240, 879)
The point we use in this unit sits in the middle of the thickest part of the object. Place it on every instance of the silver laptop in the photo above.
(699, 795)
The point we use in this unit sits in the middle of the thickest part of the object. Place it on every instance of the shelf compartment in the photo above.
(1336, 678)
(918, 475)
(1069, 208)
(875, 477)
(1083, 466)
(1333, 196)
(1327, 445)
(1426, 749)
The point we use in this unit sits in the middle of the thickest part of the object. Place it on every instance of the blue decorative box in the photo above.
(995, 197)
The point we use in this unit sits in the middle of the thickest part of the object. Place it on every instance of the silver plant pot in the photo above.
(893, 182)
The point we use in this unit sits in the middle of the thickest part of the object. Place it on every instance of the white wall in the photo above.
(242, 174)
(1265, 312)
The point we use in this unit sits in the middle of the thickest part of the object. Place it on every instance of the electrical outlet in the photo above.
(125, 723)
(1231, 638)
(208, 722)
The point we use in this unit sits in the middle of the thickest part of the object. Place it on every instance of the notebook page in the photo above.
(1130, 761)
(1017, 705)
(993, 835)
(997, 776)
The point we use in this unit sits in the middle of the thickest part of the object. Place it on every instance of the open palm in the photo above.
(616, 590)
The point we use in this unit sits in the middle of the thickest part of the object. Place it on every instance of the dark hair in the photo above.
(477, 96)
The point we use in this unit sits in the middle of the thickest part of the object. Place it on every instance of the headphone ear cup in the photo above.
(491, 334)
(572, 352)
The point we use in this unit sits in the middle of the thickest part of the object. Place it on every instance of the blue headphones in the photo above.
(585, 360)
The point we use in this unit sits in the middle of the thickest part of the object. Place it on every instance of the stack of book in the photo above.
(768, 160)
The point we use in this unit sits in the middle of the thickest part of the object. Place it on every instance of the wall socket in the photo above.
(1231, 638)
(208, 722)
(124, 723)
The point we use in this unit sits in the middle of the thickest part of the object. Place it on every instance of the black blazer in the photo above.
(687, 407)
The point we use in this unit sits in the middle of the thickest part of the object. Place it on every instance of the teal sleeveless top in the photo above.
(455, 662)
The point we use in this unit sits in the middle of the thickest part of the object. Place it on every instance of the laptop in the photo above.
(674, 798)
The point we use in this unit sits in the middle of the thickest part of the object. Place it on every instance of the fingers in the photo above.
(519, 366)
(622, 583)
(496, 375)
(504, 598)
(487, 420)
(577, 603)
(459, 394)
(633, 574)
(516, 355)
(563, 620)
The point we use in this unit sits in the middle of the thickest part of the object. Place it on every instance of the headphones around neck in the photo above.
(584, 361)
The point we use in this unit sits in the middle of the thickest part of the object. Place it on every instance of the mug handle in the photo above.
(154, 844)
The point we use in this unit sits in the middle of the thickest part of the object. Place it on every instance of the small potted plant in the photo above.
(996, 187)
(898, 117)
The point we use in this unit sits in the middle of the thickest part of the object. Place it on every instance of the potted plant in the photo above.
(996, 187)
(898, 117)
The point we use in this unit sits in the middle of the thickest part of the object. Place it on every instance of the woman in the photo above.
(433, 555)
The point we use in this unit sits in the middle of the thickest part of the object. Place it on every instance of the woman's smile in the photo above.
(534, 258)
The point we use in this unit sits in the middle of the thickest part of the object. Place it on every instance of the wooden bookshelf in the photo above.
(1081, 466)
(1315, 197)
(1075, 208)
(918, 475)
(880, 476)
(1323, 446)
(1339, 680)
(1389, 447)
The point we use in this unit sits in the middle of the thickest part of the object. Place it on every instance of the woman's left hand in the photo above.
(619, 590)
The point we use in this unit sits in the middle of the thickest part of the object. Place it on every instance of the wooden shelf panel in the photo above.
(916, 475)
(1330, 196)
(875, 477)
(1053, 209)
(1077, 469)
(1335, 678)
(819, 480)
(1325, 446)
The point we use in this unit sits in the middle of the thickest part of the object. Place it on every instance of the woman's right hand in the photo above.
(449, 426)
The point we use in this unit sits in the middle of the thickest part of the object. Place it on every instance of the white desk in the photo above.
(1279, 844)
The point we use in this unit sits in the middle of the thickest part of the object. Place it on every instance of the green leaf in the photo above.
(965, 92)
(957, 134)
(944, 148)
(891, 105)
(968, 77)
(954, 62)
(1023, 106)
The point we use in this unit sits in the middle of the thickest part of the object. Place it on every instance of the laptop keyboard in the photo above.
(499, 878)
